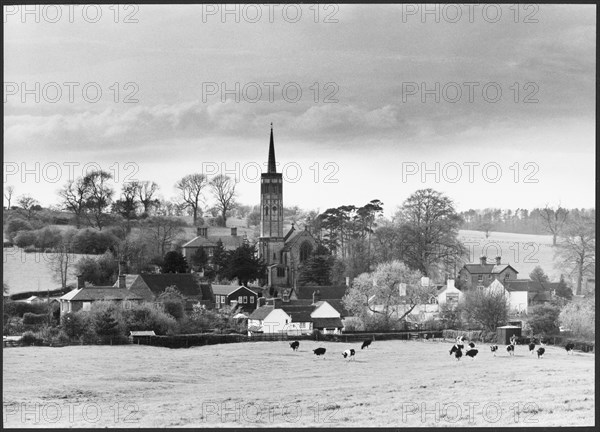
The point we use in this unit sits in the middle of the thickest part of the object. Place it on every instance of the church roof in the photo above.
(229, 241)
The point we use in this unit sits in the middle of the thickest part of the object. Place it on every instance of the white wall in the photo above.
(325, 310)
(276, 321)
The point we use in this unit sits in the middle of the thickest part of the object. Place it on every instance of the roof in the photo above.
(261, 313)
(325, 292)
(142, 333)
(298, 313)
(487, 268)
(186, 284)
(338, 305)
(327, 323)
(294, 236)
(100, 293)
(129, 279)
(523, 285)
(229, 241)
(229, 289)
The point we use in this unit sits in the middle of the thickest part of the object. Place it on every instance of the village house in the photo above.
(483, 274)
(150, 286)
(207, 239)
(83, 296)
(233, 295)
(295, 317)
(523, 294)
(449, 295)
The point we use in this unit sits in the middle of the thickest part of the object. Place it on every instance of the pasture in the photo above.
(266, 384)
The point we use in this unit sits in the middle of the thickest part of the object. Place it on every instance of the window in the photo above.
(245, 300)
(266, 211)
(86, 306)
(305, 251)
(452, 299)
(280, 272)
(251, 299)
(209, 252)
(507, 276)
(240, 299)
(223, 299)
(480, 278)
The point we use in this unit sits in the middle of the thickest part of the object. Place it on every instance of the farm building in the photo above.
(504, 333)
(483, 274)
(225, 295)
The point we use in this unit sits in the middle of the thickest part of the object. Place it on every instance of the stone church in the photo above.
(283, 254)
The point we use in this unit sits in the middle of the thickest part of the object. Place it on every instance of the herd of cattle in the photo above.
(457, 349)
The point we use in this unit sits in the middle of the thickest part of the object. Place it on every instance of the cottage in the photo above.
(483, 274)
(233, 295)
(449, 295)
(151, 286)
(83, 297)
(522, 294)
(267, 319)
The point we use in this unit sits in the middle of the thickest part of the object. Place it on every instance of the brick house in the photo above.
(483, 274)
(207, 238)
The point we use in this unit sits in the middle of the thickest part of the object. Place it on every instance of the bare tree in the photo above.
(487, 307)
(100, 195)
(576, 253)
(162, 231)
(146, 193)
(8, 193)
(223, 188)
(127, 205)
(74, 196)
(61, 258)
(553, 220)
(29, 204)
(191, 187)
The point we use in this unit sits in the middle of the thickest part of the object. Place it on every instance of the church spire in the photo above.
(271, 167)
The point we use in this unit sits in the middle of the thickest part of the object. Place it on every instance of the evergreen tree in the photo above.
(316, 270)
(243, 264)
(174, 262)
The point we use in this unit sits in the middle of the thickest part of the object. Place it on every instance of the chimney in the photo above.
(348, 281)
(483, 260)
(80, 282)
(234, 231)
(316, 296)
(450, 283)
(498, 260)
(261, 301)
(122, 281)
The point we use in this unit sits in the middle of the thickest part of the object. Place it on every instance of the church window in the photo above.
(274, 256)
(305, 250)
(274, 209)
(280, 272)
(266, 211)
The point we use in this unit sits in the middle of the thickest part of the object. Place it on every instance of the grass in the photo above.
(393, 383)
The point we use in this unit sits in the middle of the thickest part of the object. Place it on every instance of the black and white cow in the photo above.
(295, 345)
(349, 354)
(494, 349)
(531, 348)
(366, 344)
(510, 349)
(569, 347)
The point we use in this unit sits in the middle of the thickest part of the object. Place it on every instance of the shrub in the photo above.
(353, 324)
(543, 319)
(17, 309)
(91, 241)
(53, 336)
(30, 338)
(74, 324)
(33, 319)
(147, 317)
(24, 239)
(579, 318)
(47, 238)
(15, 225)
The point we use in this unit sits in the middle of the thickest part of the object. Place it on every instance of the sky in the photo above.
(492, 105)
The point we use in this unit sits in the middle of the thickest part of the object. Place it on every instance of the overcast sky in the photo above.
(366, 132)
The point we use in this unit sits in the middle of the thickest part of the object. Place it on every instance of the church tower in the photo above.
(271, 241)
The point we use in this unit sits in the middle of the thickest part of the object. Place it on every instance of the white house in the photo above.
(450, 295)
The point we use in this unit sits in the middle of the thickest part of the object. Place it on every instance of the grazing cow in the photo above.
(540, 352)
(295, 345)
(493, 349)
(349, 353)
(471, 353)
(458, 354)
(510, 349)
(569, 347)
(531, 348)
(366, 344)
(455, 348)
(319, 352)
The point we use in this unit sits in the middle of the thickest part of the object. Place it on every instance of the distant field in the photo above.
(522, 251)
(393, 384)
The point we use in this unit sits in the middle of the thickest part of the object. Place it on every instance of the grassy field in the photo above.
(266, 384)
